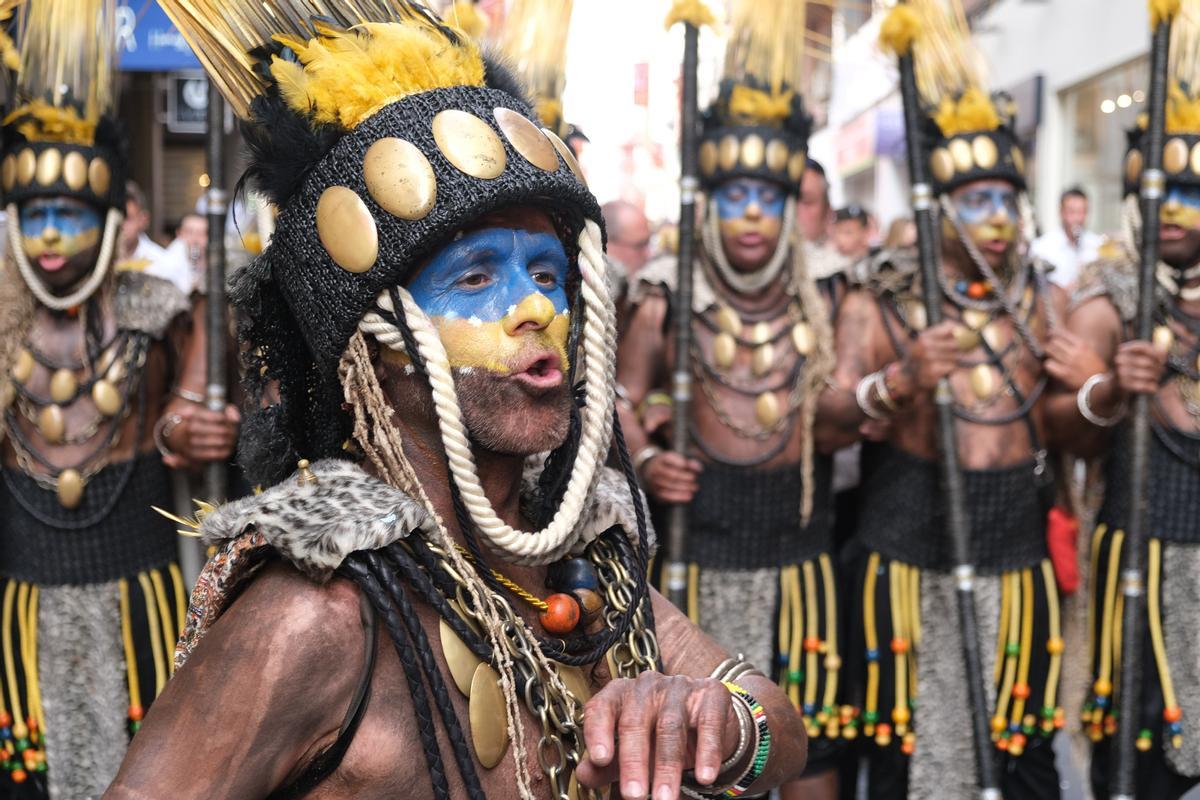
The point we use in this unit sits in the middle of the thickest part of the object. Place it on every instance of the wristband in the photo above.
(163, 430)
(645, 454)
(1083, 402)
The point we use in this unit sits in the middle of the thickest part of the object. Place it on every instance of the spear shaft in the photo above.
(216, 472)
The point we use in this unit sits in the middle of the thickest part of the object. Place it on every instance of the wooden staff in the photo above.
(958, 521)
(216, 326)
(1133, 575)
(681, 383)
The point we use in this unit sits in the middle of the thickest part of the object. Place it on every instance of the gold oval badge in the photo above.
(526, 139)
(469, 144)
(400, 178)
(347, 229)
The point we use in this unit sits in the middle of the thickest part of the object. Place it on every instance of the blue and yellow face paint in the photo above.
(54, 229)
(987, 211)
(1181, 207)
(496, 296)
(750, 206)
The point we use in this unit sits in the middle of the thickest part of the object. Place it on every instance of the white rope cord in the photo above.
(599, 337)
(112, 226)
(748, 282)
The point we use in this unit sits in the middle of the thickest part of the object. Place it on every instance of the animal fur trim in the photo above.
(147, 303)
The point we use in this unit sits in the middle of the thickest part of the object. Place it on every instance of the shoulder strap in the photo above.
(323, 765)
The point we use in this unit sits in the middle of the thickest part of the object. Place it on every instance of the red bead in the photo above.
(561, 615)
(812, 644)
(1172, 713)
(19, 776)
(135, 713)
(5, 719)
(899, 645)
(977, 290)
(1021, 691)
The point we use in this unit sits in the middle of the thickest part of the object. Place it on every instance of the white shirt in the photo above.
(1068, 259)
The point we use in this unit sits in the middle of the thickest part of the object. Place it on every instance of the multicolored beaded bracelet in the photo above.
(762, 748)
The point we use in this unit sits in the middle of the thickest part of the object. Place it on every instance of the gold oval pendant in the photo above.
(975, 319)
(914, 311)
(728, 320)
(576, 683)
(51, 424)
(70, 488)
(459, 658)
(802, 338)
(724, 350)
(489, 726)
(761, 333)
(965, 338)
(22, 369)
(63, 385)
(763, 360)
(1164, 337)
(766, 409)
(106, 397)
(994, 336)
(983, 381)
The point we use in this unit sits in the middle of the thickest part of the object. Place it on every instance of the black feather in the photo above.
(501, 76)
(283, 146)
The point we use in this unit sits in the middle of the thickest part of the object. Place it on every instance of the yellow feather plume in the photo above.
(1183, 69)
(534, 42)
(345, 76)
(693, 12)
(41, 122)
(1162, 11)
(465, 16)
(751, 106)
(767, 44)
(899, 30)
(361, 54)
(973, 111)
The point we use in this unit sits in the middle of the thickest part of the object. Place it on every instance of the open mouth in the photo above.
(997, 246)
(51, 262)
(1171, 233)
(751, 239)
(542, 372)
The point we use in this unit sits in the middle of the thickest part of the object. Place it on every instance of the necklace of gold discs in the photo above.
(730, 327)
(120, 365)
(557, 712)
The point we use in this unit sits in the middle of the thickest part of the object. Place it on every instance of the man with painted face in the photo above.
(440, 575)
(93, 362)
(906, 650)
(1101, 367)
(759, 505)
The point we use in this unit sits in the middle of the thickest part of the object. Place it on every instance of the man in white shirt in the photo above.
(139, 253)
(1071, 246)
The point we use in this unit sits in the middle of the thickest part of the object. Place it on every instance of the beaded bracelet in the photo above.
(744, 702)
(762, 748)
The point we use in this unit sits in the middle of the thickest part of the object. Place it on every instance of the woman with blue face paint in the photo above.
(91, 594)
(1101, 367)
(441, 591)
(759, 534)
(905, 660)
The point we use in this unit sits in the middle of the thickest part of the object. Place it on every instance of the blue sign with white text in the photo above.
(147, 40)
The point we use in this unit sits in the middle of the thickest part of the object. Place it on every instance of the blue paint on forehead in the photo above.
(1184, 195)
(735, 196)
(69, 219)
(486, 273)
(976, 205)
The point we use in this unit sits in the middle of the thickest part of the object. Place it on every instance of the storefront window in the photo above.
(1097, 115)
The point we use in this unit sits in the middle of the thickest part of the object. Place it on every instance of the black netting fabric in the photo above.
(110, 147)
(750, 519)
(298, 308)
(38, 545)
(1173, 504)
(902, 514)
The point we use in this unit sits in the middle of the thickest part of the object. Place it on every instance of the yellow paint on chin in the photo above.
(487, 345)
(1175, 213)
(67, 246)
(769, 227)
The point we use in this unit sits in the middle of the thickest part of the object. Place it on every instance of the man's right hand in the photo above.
(933, 356)
(671, 477)
(1139, 367)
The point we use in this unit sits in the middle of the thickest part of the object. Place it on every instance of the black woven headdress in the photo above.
(365, 196)
(975, 152)
(753, 133)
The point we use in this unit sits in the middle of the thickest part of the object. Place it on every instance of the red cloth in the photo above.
(1062, 540)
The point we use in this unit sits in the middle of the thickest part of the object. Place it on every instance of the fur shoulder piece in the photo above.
(1113, 275)
(147, 303)
(889, 271)
(662, 274)
(316, 525)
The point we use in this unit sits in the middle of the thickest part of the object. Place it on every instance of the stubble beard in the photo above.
(506, 418)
